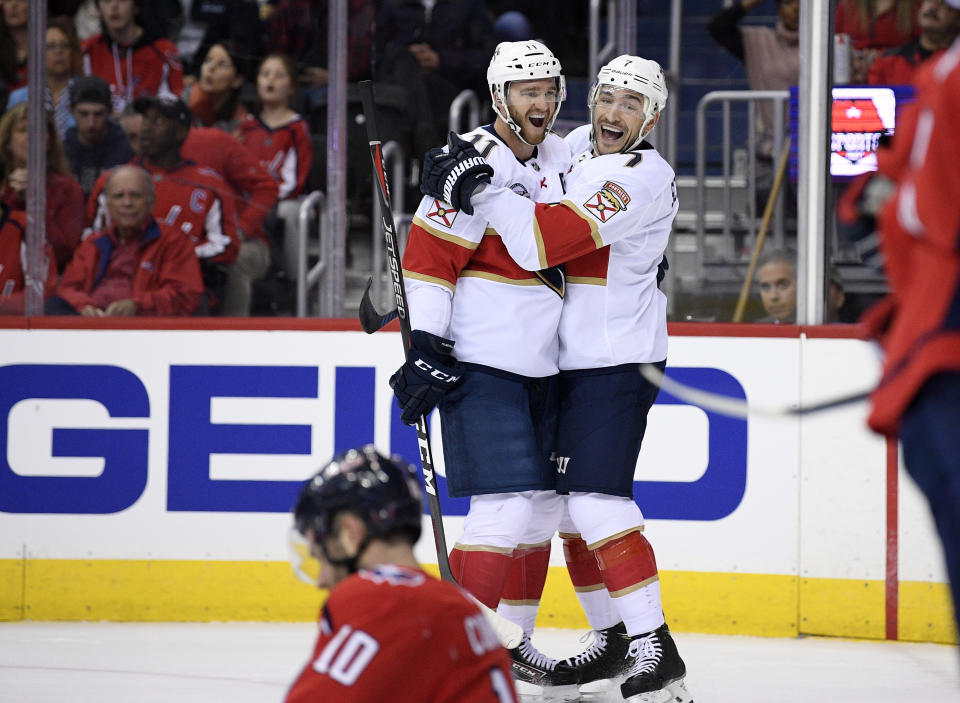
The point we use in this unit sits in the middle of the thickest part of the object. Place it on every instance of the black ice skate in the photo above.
(530, 666)
(606, 657)
(656, 670)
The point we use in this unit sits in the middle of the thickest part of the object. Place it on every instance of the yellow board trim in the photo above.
(925, 613)
(717, 603)
(11, 589)
(843, 607)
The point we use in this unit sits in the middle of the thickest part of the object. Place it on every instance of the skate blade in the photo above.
(547, 694)
(674, 692)
(600, 686)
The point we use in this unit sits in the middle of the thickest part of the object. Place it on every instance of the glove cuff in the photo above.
(435, 346)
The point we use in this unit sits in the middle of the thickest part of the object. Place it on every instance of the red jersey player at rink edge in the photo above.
(918, 323)
(388, 630)
(610, 230)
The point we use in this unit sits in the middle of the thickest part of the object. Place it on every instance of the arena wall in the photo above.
(147, 475)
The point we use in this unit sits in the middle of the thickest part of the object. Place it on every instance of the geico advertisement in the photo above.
(190, 444)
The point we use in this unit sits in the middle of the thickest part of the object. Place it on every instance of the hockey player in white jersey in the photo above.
(611, 230)
(496, 390)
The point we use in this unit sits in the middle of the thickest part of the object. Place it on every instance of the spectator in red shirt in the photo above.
(13, 253)
(136, 266)
(191, 198)
(873, 27)
(132, 60)
(13, 44)
(64, 195)
(278, 136)
(255, 195)
(939, 26)
(280, 139)
(215, 99)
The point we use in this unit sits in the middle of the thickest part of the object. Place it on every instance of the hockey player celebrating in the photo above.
(464, 289)
(388, 631)
(611, 229)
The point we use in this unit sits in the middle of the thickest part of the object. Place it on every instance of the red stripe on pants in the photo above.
(482, 573)
(626, 561)
(581, 563)
(528, 573)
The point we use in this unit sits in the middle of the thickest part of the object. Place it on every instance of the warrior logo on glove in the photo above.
(454, 175)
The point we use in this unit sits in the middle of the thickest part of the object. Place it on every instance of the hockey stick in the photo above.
(370, 319)
(400, 295)
(737, 407)
(509, 633)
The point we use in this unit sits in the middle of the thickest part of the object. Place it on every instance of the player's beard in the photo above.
(529, 133)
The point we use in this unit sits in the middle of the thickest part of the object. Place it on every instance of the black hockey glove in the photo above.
(454, 175)
(428, 374)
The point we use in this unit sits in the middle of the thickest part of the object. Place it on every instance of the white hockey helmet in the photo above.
(643, 76)
(522, 61)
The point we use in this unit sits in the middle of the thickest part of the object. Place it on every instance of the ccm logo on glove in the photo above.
(436, 373)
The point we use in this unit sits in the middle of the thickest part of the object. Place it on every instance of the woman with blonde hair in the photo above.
(65, 202)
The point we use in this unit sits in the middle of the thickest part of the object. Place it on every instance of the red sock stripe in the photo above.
(482, 573)
(528, 573)
(581, 563)
(626, 561)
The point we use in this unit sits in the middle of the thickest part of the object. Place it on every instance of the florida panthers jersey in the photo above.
(191, 198)
(611, 228)
(462, 283)
(399, 635)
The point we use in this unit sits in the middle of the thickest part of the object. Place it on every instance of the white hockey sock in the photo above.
(641, 610)
(524, 615)
(599, 607)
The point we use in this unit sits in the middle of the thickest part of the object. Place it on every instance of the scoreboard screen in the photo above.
(860, 116)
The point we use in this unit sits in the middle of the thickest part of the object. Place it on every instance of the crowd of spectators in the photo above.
(230, 94)
(210, 102)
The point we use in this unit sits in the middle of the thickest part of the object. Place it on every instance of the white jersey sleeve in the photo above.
(609, 198)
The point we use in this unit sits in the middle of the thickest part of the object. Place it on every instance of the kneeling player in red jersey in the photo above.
(388, 631)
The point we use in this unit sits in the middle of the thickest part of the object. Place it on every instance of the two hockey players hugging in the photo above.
(531, 269)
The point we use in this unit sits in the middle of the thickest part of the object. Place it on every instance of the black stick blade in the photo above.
(370, 319)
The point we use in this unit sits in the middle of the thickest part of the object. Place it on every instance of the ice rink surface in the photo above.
(255, 662)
